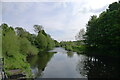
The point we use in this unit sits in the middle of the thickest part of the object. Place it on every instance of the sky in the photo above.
(61, 19)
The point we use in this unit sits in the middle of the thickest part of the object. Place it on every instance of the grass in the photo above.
(17, 62)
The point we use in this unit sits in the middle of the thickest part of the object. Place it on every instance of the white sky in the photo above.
(62, 19)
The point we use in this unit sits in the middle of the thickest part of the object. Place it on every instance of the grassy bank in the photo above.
(75, 46)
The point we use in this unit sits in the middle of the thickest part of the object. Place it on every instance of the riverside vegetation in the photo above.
(103, 32)
(102, 38)
(18, 44)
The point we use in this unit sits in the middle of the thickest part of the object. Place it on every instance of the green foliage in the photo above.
(10, 44)
(51, 43)
(44, 33)
(13, 59)
(26, 48)
(0, 42)
(17, 62)
(44, 41)
(18, 44)
(76, 46)
(57, 44)
(114, 6)
(21, 32)
(31, 38)
(79, 49)
(91, 31)
(103, 33)
(41, 41)
(68, 47)
(24, 34)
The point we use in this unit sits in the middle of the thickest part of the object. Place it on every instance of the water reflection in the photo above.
(38, 63)
(95, 68)
(59, 65)
(64, 64)
(70, 54)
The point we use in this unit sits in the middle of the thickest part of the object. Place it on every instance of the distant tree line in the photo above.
(76, 46)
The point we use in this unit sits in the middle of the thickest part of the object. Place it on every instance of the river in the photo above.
(59, 63)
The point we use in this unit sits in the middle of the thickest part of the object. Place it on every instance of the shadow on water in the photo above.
(99, 68)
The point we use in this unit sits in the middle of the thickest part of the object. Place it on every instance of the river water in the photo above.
(59, 63)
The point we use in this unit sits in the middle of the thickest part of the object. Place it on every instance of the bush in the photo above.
(26, 48)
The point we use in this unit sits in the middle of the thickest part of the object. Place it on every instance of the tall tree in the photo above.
(10, 44)
(38, 28)
(41, 41)
(104, 32)
(80, 35)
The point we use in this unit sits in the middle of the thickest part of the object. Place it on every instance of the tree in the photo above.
(21, 32)
(10, 44)
(17, 45)
(103, 32)
(51, 43)
(31, 38)
(114, 6)
(38, 28)
(41, 41)
(26, 48)
(57, 44)
(80, 35)
(90, 37)
(13, 58)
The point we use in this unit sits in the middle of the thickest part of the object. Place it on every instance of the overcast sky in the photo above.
(61, 19)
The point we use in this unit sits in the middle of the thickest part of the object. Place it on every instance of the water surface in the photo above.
(64, 64)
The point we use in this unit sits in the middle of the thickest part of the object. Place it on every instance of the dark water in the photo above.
(64, 64)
